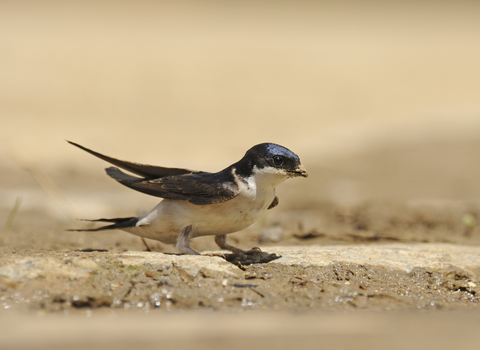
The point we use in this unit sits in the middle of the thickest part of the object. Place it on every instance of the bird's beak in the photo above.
(300, 171)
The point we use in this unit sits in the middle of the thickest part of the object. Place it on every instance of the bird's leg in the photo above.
(183, 241)
(221, 241)
(146, 245)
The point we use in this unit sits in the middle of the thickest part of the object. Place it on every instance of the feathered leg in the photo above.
(183, 241)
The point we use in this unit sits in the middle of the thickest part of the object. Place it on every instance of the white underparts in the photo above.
(168, 221)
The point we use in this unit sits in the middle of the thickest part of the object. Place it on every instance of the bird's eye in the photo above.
(277, 160)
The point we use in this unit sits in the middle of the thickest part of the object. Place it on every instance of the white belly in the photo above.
(169, 217)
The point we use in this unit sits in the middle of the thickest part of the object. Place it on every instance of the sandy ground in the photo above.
(379, 100)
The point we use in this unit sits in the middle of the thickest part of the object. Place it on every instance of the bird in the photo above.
(199, 203)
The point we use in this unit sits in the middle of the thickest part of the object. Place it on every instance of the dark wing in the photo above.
(147, 171)
(201, 188)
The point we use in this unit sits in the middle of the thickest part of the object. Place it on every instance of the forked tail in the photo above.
(118, 223)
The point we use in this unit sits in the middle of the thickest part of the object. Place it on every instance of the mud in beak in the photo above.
(300, 171)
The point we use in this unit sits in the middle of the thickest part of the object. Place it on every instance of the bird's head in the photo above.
(273, 158)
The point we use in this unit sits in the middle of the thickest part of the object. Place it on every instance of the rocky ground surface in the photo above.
(93, 299)
(389, 276)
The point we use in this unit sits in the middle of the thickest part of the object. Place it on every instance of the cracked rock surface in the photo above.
(390, 276)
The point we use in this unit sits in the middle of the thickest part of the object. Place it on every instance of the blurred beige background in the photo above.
(379, 99)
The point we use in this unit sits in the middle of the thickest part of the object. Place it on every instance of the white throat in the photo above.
(268, 178)
(262, 181)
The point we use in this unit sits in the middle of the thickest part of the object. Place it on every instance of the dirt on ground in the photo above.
(261, 287)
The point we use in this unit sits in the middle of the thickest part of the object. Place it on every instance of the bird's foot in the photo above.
(242, 257)
(254, 250)
(243, 254)
(249, 257)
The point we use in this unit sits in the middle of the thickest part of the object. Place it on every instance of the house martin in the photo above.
(198, 203)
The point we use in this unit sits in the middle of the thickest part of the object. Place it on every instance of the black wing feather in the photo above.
(201, 189)
(196, 187)
(147, 171)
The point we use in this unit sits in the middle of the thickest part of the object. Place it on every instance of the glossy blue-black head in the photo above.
(274, 156)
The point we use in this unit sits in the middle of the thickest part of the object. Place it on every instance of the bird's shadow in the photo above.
(251, 258)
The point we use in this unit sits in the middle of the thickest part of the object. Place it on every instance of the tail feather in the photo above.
(115, 220)
(118, 223)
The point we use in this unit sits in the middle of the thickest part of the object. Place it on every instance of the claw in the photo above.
(254, 250)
